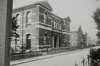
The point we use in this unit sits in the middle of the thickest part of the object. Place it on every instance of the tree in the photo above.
(96, 18)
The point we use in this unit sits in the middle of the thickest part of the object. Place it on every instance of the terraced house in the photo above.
(39, 29)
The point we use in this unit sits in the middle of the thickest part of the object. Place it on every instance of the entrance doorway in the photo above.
(28, 41)
(55, 42)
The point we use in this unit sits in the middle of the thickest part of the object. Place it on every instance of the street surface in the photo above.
(72, 58)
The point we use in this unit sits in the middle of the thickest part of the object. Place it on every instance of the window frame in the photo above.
(19, 19)
(28, 18)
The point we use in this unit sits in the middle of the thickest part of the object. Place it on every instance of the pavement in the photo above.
(22, 61)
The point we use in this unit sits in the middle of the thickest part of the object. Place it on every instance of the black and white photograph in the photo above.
(49, 32)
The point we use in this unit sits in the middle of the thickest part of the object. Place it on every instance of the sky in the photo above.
(80, 12)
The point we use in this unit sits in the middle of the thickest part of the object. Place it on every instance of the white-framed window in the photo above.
(19, 19)
(42, 15)
(49, 20)
(41, 18)
(54, 23)
(44, 39)
(45, 17)
(28, 17)
(60, 26)
(64, 23)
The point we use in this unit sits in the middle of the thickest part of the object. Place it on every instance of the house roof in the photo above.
(44, 3)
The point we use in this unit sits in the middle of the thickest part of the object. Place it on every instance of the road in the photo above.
(72, 58)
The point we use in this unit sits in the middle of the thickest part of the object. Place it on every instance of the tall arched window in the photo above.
(45, 17)
(19, 19)
(28, 17)
(54, 23)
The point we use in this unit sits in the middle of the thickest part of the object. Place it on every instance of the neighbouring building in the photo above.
(73, 39)
(78, 38)
(40, 29)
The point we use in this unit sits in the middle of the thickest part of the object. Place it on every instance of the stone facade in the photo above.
(39, 28)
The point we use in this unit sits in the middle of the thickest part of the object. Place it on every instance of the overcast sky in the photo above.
(80, 12)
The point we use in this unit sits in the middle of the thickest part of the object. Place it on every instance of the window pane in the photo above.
(48, 21)
(41, 10)
(41, 18)
(28, 18)
(19, 19)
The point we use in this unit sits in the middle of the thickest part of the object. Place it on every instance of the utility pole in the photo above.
(5, 19)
